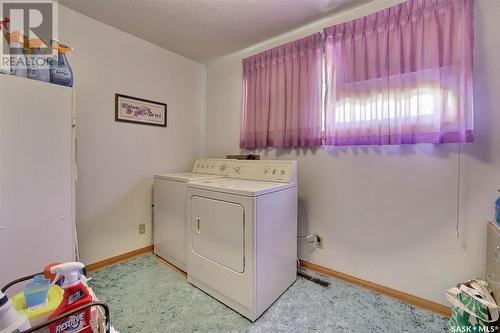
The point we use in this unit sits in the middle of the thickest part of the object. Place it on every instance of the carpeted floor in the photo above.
(147, 296)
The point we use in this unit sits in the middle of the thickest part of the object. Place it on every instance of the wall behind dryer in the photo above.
(387, 213)
(116, 161)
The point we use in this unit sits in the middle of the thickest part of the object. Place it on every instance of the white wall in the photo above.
(387, 214)
(116, 161)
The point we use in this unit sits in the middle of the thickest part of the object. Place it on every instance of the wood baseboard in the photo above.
(119, 258)
(171, 266)
(407, 298)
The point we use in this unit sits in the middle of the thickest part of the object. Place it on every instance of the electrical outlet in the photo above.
(319, 243)
(142, 229)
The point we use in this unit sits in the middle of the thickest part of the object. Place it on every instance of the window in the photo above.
(402, 75)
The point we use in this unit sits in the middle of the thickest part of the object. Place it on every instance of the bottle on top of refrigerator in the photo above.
(18, 60)
(61, 72)
(38, 63)
(75, 294)
(10, 320)
(4, 46)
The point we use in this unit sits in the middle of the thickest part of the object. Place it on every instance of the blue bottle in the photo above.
(35, 293)
(61, 72)
(497, 211)
(38, 65)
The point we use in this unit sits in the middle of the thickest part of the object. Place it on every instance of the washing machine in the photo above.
(242, 234)
(169, 226)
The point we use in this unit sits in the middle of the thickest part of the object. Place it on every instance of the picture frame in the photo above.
(141, 111)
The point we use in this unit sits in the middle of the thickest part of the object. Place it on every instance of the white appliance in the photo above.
(242, 234)
(37, 176)
(169, 228)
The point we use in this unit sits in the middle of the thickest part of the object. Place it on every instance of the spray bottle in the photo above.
(75, 295)
(10, 320)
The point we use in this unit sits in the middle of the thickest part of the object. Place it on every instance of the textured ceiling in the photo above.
(203, 30)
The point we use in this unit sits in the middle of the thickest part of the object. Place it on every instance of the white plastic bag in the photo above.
(473, 307)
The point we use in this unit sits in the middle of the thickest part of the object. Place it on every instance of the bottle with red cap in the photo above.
(75, 295)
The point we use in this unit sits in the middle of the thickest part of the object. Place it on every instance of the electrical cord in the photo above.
(459, 171)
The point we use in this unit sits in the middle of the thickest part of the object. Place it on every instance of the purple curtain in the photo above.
(281, 96)
(401, 76)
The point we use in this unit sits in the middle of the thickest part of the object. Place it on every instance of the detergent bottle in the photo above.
(61, 72)
(18, 60)
(10, 320)
(38, 64)
(75, 295)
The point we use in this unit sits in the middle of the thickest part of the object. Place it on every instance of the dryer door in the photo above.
(218, 232)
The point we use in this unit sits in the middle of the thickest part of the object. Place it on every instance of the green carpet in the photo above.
(145, 295)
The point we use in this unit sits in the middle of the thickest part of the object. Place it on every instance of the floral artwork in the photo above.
(140, 111)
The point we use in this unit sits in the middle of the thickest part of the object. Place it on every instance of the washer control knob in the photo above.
(266, 171)
(282, 172)
(222, 167)
(275, 171)
(237, 170)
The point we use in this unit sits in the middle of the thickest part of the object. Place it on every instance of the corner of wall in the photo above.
(204, 93)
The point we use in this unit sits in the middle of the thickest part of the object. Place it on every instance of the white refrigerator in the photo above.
(37, 176)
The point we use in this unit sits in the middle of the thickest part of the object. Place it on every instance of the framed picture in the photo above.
(140, 111)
